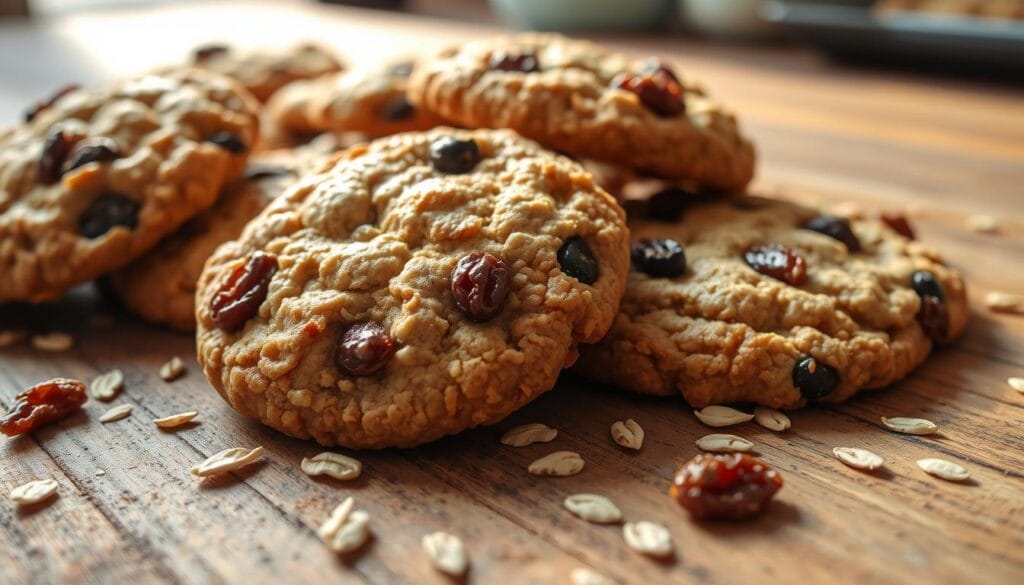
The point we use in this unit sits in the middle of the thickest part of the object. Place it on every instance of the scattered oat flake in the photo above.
(593, 508)
(983, 223)
(771, 419)
(910, 426)
(107, 385)
(53, 341)
(628, 434)
(586, 576)
(943, 469)
(100, 472)
(721, 416)
(1016, 383)
(227, 460)
(175, 420)
(1004, 302)
(858, 458)
(559, 463)
(722, 443)
(648, 538)
(11, 337)
(347, 529)
(117, 413)
(446, 553)
(333, 465)
(528, 434)
(34, 492)
(173, 369)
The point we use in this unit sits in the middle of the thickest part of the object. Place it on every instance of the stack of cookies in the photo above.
(444, 269)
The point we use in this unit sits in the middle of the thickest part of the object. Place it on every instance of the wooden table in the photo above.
(128, 510)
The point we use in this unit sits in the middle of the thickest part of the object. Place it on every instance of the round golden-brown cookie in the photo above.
(856, 315)
(95, 178)
(576, 97)
(161, 286)
(334, 315)
(265, 71)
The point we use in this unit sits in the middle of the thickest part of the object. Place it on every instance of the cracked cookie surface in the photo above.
(100, 175)
(264, 71)
(359, 338)
(568, 95)
(723, 332)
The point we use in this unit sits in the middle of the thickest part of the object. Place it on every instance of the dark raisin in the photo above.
(229, 141)
(205, 52)
(731, 486)
(837, 228)
(480, 283)
(777, 261)
(933, 316)
(524, 62)
(403, 69)
(452, 156)
(239, 298)
(46, 104)
(56, 148)
(365, 348)
(91, 150)
(925, 284)
(577, 260)
(658, 90)
(814, 379)
(668, 204)
(398, 109)
(659, 258)
(258, 171)
(107, 212)
(42, 404)
(898, 223)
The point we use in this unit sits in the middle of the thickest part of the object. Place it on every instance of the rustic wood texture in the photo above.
(942, 150)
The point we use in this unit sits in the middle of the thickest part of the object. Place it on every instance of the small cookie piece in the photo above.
(574, 96)
(161, 286)
(426, 283)
(735, 320)
(98, 177)
(264, 71)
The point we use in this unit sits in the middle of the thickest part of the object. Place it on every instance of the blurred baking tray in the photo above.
(949, 43)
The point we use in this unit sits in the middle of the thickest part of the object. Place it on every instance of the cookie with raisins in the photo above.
(95, 177)
(775, 303)
(422, 284)
(265, 71)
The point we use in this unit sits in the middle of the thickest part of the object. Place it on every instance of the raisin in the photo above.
(577, 260)
(240, 295)
(107, 212)
(814, 379)
(524, 62)
(259, 171)
(732, 486)
(91, 150)
(654, 66)
(229, 141)
(659, 258)
(925, 284)
(365, 348)
(398, 109)
(668, 204)
(898, 223)
(46, 104)
(452, 156)
(402, 69)
(42, 404)
(480, 283)
(56, 149)
(933, 317)
(837, 228)
(658, 89)
(205, 52)
(777, 261)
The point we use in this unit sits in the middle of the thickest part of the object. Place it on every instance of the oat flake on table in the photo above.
(593, 508)
(175, 420)
(858, 458)
(53, 341)
(116, 413)
(559, 464)
(943, 469)
(333, 465)
(173, 369)
(648, 538)
(346, 529)
(446, 552)
(227, 460)
(628, 434)
(107, 385)
(34, 492)
(721, 416)
(910, 426)
(528, 434)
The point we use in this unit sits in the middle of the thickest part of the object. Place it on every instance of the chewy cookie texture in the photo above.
(424, 284)
(263, 72)
(95, 177)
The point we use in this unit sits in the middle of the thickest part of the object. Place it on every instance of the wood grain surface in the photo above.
(129, 511)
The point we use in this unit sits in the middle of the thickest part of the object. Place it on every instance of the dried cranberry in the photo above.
(259, 171)
(106, 212)
(46, 104)
(659, 258)
(898, 223)
(524, 62)
(777, 261)
(480, 284)
(205, 52)
(732, 486)
(658, 89)
(398, 109)
(229, 141)
(814, 379)
(933, 317)
(239, 298)
(42, 404)
(837, 228)
(654, 66)
(577, 260)
(402, 69)
(91, 150)
(452, 156)
(365, 348)
(56, 149)
(925, 284)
